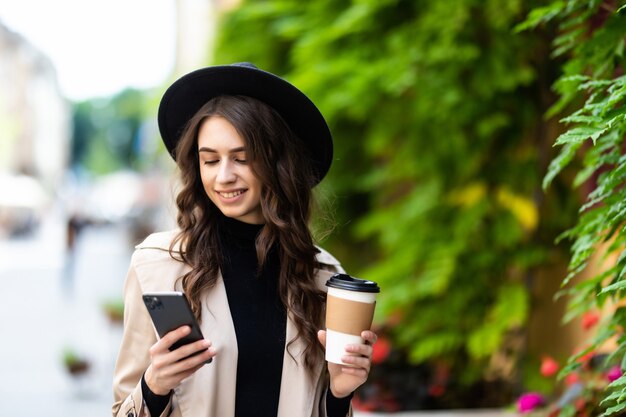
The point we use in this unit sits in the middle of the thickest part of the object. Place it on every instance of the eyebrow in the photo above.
(211, 150)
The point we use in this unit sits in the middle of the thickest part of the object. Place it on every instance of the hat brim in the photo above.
(190, 92)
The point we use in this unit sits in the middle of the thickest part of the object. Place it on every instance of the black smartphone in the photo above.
(169, 311)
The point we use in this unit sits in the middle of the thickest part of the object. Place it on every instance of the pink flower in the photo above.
(590, 319)
(614, 373)
(549, 366)
(529, 401)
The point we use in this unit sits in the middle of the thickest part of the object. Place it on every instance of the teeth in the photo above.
(231, 195)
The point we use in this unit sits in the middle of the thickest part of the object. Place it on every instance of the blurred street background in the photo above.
(468, 136)
(53, 304)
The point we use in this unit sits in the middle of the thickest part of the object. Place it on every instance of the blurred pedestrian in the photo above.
(250, 147)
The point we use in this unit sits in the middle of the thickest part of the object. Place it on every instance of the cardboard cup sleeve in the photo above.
(348, 316)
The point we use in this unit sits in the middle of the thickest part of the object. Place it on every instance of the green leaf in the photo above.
(580, 134)
(569, 410)
(435, 345)
(560, 162)
(615, 409)
(614, 287)
(541, 15)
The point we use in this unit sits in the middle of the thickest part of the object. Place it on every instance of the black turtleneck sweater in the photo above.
(259, 318)
(260, 322)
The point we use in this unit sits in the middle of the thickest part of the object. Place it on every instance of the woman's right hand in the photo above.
(166, 368)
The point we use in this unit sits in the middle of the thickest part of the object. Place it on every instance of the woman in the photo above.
(250, 147)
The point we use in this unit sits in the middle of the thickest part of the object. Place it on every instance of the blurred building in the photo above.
(34, 116)
(34, 134)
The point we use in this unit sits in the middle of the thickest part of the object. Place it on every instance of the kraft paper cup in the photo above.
(350, 307)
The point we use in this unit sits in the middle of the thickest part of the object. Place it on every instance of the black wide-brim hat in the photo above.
(190, 92)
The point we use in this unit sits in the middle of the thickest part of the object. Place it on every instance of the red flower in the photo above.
(381, 350)
(361, 405)
(590, 319)
(584, 359)
(572, 378)
(549, 366)
(436, 390)
(580, 404)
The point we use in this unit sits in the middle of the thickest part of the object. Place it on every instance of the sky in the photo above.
(99, 47)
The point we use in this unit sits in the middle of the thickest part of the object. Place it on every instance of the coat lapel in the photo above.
(298, 390)
(213, 386)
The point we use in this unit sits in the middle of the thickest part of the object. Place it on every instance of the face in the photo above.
(226, 175)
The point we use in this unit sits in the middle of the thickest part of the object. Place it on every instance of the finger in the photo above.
(369, 336)
(357, 361)
(190, 348)
(194, 362)
(175, 379)
(190, 363)
(187, 373)
(360, 372)
(321, 336)
(174, 336)
(364, 350)
(163, 344)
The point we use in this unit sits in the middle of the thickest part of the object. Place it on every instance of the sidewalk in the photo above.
(50, 305)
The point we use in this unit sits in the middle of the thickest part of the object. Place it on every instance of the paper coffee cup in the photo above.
(350, 304)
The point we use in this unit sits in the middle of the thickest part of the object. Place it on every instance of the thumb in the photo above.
(321, 336)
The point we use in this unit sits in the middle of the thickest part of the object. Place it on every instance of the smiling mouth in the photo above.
(231, 194)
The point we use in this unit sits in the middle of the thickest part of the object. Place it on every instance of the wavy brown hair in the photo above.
(277, 158)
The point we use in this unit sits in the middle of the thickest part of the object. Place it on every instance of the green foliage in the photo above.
(114, 309)
(70, 357)
(107, 132)
(439, 150)
(592, 89)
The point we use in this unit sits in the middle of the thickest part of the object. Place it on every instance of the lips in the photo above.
(231, 194)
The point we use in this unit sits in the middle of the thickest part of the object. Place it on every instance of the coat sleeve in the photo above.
(134, 357)
(330, 264)
(323, 387)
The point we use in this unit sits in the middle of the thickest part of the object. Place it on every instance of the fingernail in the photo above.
(212, 351)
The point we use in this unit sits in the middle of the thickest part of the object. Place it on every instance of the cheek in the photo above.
(205, 181)
(253, 179)
(257, 195)
(204, 175)
(256, 186)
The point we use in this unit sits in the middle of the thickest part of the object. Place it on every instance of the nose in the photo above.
(226, 173)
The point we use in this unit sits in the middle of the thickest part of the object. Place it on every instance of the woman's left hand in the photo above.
(345, 379)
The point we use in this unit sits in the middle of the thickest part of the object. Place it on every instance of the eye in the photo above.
(210, 162)
(241, 160)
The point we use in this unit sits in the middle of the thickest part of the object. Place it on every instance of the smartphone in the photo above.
(169, 311)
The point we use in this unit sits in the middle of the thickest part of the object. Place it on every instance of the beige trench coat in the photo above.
(210, 392)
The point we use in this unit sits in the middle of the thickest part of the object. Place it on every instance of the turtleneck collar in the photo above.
(241, 233)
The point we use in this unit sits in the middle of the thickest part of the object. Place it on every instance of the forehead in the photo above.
(218, 133)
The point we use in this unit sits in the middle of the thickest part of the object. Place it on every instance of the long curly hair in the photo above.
(277, 158)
